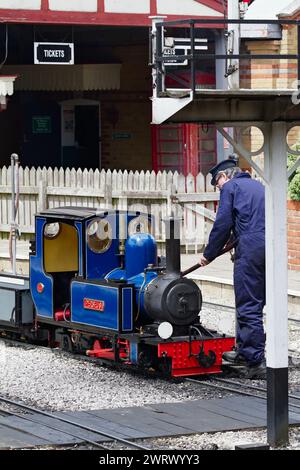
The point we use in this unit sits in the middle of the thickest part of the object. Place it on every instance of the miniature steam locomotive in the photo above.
(96, 287)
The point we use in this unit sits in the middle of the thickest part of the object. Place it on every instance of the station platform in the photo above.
(216, 282)
(230, 413)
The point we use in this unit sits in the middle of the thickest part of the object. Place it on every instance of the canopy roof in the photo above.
(66, 77)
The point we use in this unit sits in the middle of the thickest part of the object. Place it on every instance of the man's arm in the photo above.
(222, 227)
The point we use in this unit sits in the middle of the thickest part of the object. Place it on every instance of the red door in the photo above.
(186, 148)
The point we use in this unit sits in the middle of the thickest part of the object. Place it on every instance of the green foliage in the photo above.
(294, 180)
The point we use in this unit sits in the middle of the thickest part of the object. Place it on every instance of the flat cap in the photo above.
(230, 163)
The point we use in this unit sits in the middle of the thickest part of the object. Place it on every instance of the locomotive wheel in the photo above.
(165, 366)
(145, 359)
(66, 343)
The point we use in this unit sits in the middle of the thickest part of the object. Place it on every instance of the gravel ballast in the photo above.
(55, 381)
(41, 378)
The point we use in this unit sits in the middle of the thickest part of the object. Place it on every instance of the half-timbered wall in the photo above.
(110, 12)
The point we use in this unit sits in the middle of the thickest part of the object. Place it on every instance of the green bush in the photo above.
(294, 180)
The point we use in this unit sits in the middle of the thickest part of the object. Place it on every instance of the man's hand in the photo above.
(204, 261)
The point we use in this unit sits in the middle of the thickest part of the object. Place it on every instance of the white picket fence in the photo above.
(157, 193)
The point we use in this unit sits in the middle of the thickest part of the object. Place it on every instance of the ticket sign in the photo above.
(54, 53)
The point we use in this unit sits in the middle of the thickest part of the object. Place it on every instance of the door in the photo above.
(186, 148)
(80, 134)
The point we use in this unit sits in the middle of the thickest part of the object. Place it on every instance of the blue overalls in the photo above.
(242, 212)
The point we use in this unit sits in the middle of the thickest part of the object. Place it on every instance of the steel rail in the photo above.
(17, 415)
(73, 423)
(253, 387)
(232, 390)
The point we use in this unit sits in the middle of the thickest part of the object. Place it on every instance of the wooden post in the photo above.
(42, 196)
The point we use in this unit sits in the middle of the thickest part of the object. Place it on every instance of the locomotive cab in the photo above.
(61, 260)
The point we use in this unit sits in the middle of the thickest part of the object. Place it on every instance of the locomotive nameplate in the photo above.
(92, 304)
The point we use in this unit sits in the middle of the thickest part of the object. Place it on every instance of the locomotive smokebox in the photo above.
(170, 297)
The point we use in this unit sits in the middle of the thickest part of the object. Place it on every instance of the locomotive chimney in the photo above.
(173, 245)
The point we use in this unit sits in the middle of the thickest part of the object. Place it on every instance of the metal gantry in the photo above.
(274, 112)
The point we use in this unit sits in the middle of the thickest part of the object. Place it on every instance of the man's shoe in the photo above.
(258, 371)
(234, 358)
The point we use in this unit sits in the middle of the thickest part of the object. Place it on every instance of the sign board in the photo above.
(57, 53)
(93, 304)
(41, 125)
(121, 136)
(181, 46)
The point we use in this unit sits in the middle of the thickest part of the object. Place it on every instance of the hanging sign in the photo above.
(60, 53)
(181, 46)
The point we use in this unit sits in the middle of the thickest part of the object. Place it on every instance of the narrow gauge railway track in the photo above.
(260, 391)
(83, 440)
(103, 362)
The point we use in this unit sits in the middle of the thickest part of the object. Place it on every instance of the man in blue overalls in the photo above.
(241, 216)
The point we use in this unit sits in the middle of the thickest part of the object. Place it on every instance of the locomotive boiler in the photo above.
(98, 287)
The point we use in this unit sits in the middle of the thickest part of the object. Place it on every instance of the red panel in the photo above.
(202, 78)
(153, 8)
(192, 149)
(168, 151)
(183, 364)
(45, 5)
(101, 7)
(93, 304)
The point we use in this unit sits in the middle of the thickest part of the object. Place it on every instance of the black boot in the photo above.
(234, 358)
(257, 371)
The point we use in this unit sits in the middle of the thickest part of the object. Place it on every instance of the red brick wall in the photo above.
(294, 235)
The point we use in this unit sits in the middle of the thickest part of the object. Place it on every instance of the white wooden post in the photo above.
(276, 284)
(42, 197)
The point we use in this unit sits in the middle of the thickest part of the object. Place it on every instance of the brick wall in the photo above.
(276, 74)
(126, 114)
(294, 235)
(126, 134)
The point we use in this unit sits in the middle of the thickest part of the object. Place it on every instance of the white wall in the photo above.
(267, 9)
(20, 4)
(74, 5)
(264, 10)
(184, 7)
(127, 6)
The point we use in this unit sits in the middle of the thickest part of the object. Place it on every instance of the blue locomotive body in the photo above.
(98, 288)
(80, 271)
